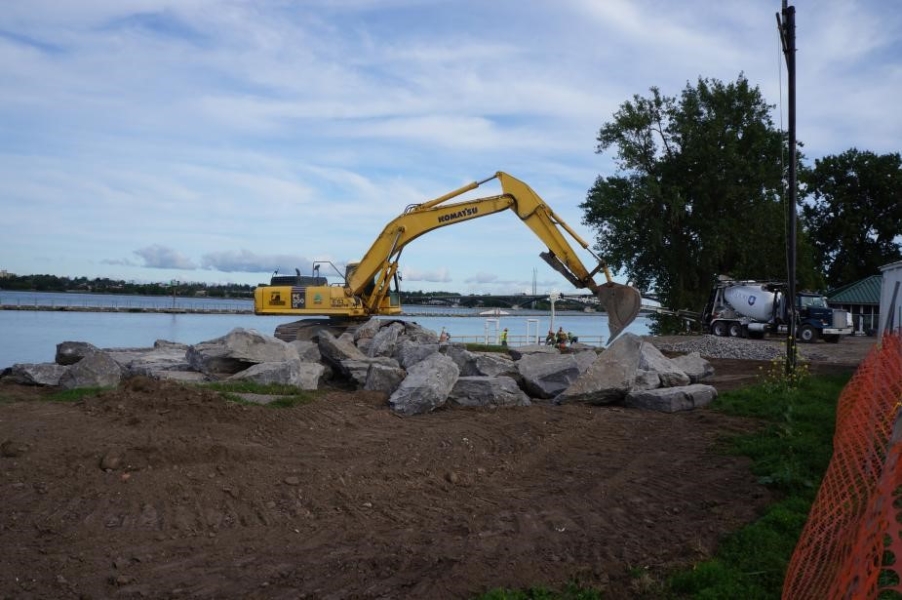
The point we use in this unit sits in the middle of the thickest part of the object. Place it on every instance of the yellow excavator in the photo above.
(370, 287)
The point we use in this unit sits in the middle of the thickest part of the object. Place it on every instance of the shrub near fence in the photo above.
(851, 546)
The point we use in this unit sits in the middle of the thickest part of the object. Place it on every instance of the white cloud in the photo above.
(219, 136)
(440, 275)
(161, 257)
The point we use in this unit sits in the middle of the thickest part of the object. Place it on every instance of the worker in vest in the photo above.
(504, 338)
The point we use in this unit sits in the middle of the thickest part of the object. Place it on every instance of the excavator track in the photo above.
(309, 329)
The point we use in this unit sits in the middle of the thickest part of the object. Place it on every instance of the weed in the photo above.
(288, 395)
(790, 454)
(75, 395)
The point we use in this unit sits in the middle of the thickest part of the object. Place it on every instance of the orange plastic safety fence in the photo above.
(851, 546)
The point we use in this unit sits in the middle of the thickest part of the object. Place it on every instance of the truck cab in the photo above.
(817, 319)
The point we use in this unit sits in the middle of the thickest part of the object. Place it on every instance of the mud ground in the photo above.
(160, 491)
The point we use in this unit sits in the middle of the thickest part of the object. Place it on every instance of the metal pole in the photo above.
(788, 37)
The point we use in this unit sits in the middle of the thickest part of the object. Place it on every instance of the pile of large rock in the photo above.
(404, 361)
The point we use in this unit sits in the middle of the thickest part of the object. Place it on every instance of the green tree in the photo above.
(854, 217)
(698, 191)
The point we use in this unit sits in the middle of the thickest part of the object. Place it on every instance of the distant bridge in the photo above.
(502, 300)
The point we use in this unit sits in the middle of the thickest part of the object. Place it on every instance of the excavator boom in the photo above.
(367, 287)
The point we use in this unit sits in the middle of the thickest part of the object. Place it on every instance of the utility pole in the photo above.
(787, 28)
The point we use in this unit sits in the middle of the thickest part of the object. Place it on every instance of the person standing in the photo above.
(443, 337)
(504, 338)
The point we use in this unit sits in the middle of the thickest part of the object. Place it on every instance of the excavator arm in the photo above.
(370, 279)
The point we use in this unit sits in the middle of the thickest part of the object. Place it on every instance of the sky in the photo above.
(218, 141)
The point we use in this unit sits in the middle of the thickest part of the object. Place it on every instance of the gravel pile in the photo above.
(710, 346)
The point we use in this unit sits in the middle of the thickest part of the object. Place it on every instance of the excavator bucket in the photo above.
(622, 304)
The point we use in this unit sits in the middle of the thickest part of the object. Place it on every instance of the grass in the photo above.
(474, 347)
(289, 396)
(789, 454)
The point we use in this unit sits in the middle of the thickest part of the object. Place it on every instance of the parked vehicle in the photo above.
(755, 308)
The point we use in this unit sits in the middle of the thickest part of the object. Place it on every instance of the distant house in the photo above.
(862, 299)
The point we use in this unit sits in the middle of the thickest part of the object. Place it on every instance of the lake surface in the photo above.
(28, 336)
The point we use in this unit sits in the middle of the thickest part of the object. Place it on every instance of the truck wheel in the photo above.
(833, 339)
(719, 328)
(808, 334)
(735, 330)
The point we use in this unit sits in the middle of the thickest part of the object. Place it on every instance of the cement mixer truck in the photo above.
(755, 308)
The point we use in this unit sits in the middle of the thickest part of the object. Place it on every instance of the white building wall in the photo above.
(891, 298)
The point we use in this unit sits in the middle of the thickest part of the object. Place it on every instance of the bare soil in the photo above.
(155, 490)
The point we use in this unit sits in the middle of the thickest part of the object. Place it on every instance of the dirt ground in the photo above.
(161, 491)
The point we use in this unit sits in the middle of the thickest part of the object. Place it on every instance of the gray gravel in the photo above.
(725, 347)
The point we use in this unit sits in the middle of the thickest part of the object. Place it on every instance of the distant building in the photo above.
(891, 298)
(4, 274)
(862, 299)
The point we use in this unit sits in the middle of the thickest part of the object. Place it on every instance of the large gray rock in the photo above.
(426, 386)
(386, 340)
(45, 374)
(646, 380)
(96, 370)
(490, 364)
(358, 370)
(383, 378)
(672, 399)
(457, 352)
(610, 377)
(336, 350)
(303, 375)
(651, 359)
(410, 353)
(547, 375)
(150, 362)
(392, 336)
(693, 365)
(417, 333)
(167, 345)
(488, 391)
(519, 352)
(307, 351)
(69, 353)
(181, 376)
(236, 351)
(364, 334)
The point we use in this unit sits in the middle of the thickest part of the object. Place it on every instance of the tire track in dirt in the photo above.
(340, 498)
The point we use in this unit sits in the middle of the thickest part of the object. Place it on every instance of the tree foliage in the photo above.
(698, 191)
(854, 216)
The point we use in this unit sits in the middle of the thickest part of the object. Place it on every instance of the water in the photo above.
(31, 336)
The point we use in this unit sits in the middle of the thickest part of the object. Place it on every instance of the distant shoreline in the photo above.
(231, 311)
(128, 309)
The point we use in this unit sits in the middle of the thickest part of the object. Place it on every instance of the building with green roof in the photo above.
(862, 299)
